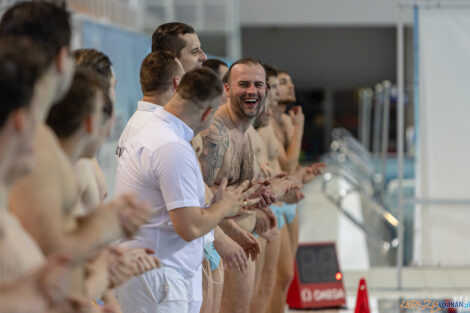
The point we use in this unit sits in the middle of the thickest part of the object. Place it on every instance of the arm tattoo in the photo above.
(215, 142)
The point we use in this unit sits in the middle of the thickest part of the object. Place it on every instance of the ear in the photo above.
(89, 124)
(176, 81)
(61, 59)
(19, 119)
(227, 89)
(206, 113)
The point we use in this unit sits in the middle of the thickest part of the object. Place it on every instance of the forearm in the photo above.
(94, 231)
(209, 218)
(230, 227)
(96, 285)
(199, 221)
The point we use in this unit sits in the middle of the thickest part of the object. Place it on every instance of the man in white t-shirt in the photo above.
(160, 74)
(159, 164)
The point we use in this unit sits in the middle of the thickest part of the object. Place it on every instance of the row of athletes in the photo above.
(56, 192)
(244, 141)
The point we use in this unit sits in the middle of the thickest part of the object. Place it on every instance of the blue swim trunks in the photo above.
(212, 255)
(289, 212)
(278, 210)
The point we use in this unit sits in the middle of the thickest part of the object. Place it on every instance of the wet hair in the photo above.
(166, 37)
(214, 64)
(98, 62)
(157, 71)
(67, 115)
(200, 85)
(244, 61)
(46, 24)
(22, 64)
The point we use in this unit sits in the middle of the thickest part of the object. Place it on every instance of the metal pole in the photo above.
(385, 130)
(400, 127)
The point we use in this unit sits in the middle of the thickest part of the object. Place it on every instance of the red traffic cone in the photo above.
(362, 301)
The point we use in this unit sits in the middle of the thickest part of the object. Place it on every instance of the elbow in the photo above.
(187, 233)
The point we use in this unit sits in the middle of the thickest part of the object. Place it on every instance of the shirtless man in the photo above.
(227, 152)
(51, 186)
(288, 130)
(27, 284)
(91, 180)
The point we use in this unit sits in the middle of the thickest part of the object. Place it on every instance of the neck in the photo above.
(278, 110)
(177, 107)
(158, 98)
(73, 147)
(241, 124)
(44, 94)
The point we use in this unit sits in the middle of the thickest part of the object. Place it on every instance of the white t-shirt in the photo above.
(159, 164)
(136, 122)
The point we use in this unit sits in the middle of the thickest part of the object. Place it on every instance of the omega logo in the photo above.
(320, 295)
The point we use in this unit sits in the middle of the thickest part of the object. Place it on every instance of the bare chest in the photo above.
(238, 161)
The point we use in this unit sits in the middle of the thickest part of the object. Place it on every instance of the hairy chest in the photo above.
(238, 161)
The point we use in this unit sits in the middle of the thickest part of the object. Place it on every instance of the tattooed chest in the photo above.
(239, 161)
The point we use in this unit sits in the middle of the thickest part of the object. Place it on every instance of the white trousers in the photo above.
(163, 290)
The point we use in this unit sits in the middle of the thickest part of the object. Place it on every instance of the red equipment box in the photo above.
(318, 281)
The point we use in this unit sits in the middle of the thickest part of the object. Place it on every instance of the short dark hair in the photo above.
(156, 72)
(166, 37)
(200, 85)
(244, 61)
(21, 65)
(67, 115)
(94, 60)
(98, 62)
(270, 70)
(44, 23)
(214, 64)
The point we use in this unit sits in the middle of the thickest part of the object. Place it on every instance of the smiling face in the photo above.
(246, 89)
(286, 88)
(191, 55)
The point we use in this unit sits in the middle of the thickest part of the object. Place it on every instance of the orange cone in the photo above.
(362, 301)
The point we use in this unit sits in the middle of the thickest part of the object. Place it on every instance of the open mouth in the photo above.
(250, 103)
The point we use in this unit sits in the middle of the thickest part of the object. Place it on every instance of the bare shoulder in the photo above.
(196, 143)
(286, 121)
(266, 132)
(256, 140)
(53, 180)
(215, 142)
(287, 126)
